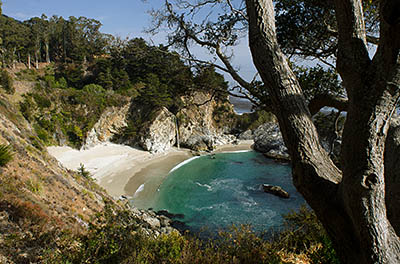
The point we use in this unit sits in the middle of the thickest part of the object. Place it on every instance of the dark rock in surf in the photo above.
(275, 190)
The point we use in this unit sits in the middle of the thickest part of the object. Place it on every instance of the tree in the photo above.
(350, 201)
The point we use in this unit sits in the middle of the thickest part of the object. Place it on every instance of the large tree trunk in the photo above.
(350, 204)
(392, 174)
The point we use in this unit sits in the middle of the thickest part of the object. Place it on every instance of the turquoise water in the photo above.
(214, 193)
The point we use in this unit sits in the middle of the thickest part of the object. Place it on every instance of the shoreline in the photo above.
(123, 170)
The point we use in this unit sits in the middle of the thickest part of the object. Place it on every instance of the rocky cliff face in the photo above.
(198, 129)
(196, 126)
(160, 135)
(111, 121)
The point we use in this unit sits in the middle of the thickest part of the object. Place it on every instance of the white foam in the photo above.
(238, 151)
(141, 188)
(183, 163)
(209, 188)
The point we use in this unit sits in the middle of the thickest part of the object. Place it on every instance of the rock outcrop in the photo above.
(110, 122)
(276, 190)
(194, 126)
(152, 223)
(268, 140)
(197, 126)
(160, 135)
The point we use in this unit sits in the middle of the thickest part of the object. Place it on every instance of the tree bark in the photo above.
(46, 44)
(29, 61)
(36, 60)
(392, 174)
(350, 203)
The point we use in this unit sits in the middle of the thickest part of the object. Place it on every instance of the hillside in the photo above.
(36, 194)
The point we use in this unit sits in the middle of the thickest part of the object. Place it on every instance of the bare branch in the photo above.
(234, 10)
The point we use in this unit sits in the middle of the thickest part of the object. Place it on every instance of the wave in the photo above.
(237, 151)
(141, 188)
(209, 188)
(183, 163)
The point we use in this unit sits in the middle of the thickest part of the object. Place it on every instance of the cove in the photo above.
(215, 191)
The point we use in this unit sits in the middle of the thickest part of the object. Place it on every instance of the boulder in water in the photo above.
(275, 190)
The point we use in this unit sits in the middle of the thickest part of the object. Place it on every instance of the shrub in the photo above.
(41, 101)
(115, 237)
(27, 107)
(6, 82)
(253, 120)
(5, 154)
(83, 172)
(304, 233)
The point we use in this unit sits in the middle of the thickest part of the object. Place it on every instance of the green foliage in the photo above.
(27, 75)
(6, 82)
(83, 172)
(42, 134)
(253, 120)
(115, 236)
(6, 154)
(304, 233)
(72, 73)
(41, 100)
(209, 80)
(224, 115)
(319, 81)
(27, 107)
(93, 89)
(155, 94)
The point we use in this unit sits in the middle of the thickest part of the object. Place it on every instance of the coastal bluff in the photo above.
(195, 126)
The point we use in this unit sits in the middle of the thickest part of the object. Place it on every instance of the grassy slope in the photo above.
(36, 194)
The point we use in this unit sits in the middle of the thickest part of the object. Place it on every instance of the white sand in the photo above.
(120, 169)
(112, 165)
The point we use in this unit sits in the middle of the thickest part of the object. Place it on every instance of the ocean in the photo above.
(213, 192)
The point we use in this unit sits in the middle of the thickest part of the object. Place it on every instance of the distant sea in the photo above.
(214, 192)
(241, 105)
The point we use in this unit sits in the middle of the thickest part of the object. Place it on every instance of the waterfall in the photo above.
(177, 132)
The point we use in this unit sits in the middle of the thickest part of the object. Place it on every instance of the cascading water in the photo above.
(177, 132)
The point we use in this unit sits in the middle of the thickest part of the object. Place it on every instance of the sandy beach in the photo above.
(123, 170)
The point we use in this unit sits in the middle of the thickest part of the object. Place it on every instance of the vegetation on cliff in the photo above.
(116, 238)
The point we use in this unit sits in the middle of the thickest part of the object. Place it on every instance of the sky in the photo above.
(119, 17)
(123, 18)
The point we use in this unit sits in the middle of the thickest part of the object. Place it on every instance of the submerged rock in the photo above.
(275, 190)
